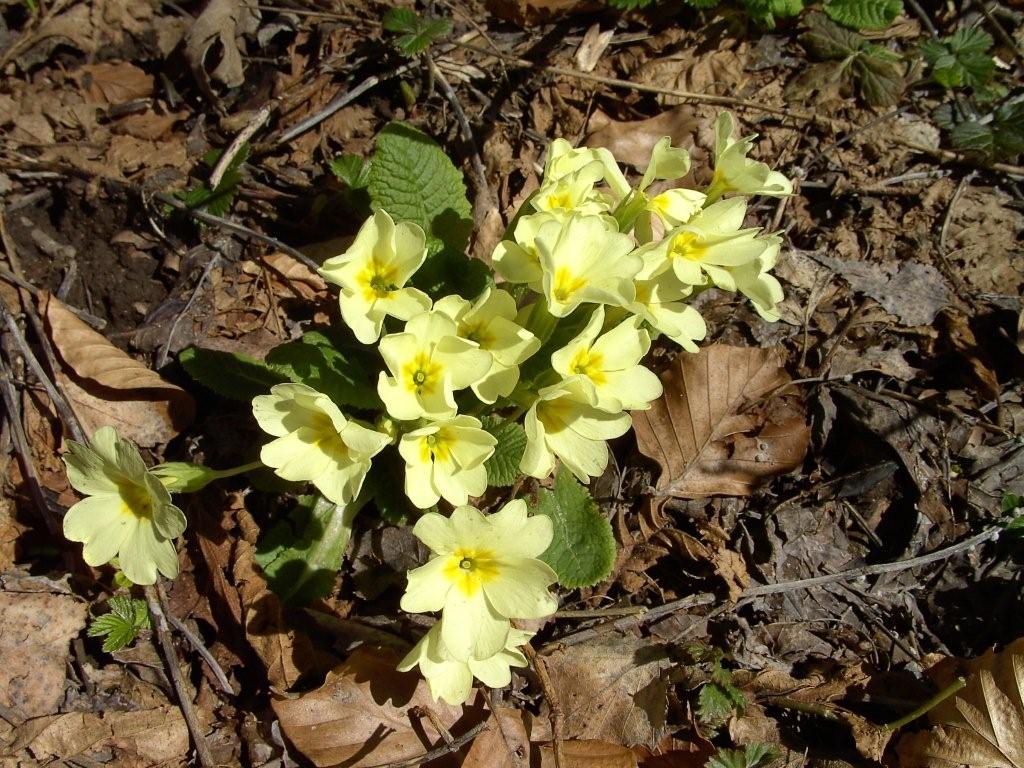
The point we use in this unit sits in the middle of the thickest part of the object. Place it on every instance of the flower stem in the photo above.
(929, 705)
(541, 323)
(629, 209)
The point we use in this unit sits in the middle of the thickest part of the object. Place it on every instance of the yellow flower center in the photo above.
(436, 447)
(554, 414)
(560, 200)
(378, 280)
(589, 364)
(135, 501)
(687, 246)
(477, 332)
(422, 375)
(643, 292)
(566, 284)
(469, 568)
(659, 204)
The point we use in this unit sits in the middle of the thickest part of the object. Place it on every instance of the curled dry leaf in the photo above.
(364, 715)
(981, 727)
(221, 21)
(589, 754)
(294, 277)
(710, 432)
(106, 386)
(632, 141)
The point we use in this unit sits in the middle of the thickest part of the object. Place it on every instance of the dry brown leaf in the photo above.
(504, 746)
(117, 389)
(592, 47)
(589, 754)
(612, 690)
(35, 629)
(362, 714)
(294, 276)
(114, 83)
(632, 141)
(981, 727)
(702, 433)
(221, 21)
(696, 70)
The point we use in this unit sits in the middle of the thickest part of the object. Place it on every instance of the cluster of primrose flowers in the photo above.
(625, 262)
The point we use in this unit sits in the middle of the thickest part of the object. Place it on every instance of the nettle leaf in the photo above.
(503, 466)
(122, 625)
(413, 180)
(352, 170)
(751, 756)
(229, 374)
(879, 78)
(301, 554)
(827, 40)
(314, 360)
(864, 14)
(418, 33)
(582, 551)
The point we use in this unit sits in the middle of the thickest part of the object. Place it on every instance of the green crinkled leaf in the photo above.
(630, 5)
(764, 12)
(122, 625)
(864, 14)
(413, 180)
(879, 79)
(424, 36)
(503, 466)
(353, 170)
(314, 360)
(301, 554)
(385, 486)
(229, 374)
(582, 551)
(827, 40)
(452, 272)
(971, 134)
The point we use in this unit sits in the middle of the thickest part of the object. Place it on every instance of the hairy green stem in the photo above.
(929, 705)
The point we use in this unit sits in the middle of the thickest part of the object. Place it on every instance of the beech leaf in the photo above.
(983, 725)
(710, 434)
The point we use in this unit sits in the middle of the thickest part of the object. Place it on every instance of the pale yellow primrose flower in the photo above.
(445, 459)
(428, 363)
(711, 243)
(566, 422)
(372, 274)
(659, 302)
(673, 206)
(315, 442)
(127, 512)
(735, 172)
(517, 260)
(754, 281)
(483, 572)
(611, 362)
(452, 680)
(563, 160)
(490, 323)
(585, 260)
(574, 193)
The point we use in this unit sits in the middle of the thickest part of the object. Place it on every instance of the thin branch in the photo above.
(989, 534)
(555, 709)
(457, 743)
(165, 349)
(202, 650)
(155, 598)
(239, 229)
(257, 121)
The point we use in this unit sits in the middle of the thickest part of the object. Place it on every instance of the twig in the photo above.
(924, 17)
(1001, 33)
(7, 393)
(482, 187)
(202, 650)
(600, 613)
(853, 574)
(960, 157)
(924, 405)
(165, 349)
(705, 98)
(555, 709)
(257, 121)
(67, 415)
(240, 229)
(967, 296)
(155, 599)
(621, 625)
(927, 706)
(494, 703)
(431, 715)
(445, 749)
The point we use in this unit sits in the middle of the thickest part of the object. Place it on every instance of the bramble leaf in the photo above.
(122, 625)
